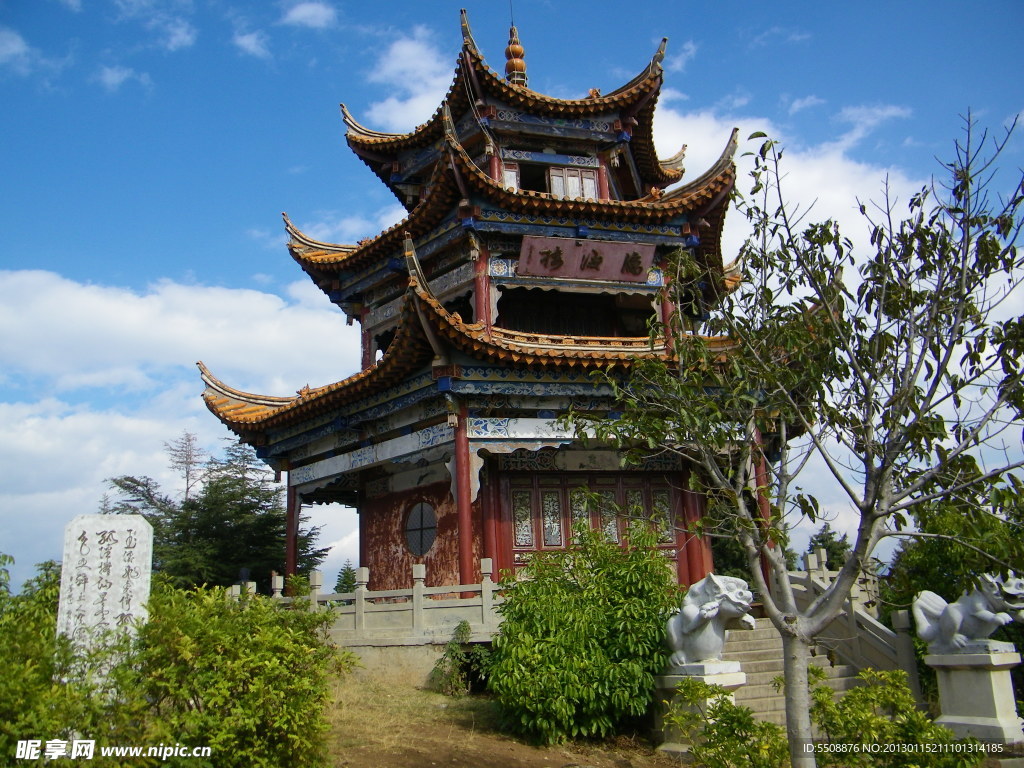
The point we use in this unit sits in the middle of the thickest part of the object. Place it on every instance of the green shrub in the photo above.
(46, 690)
(246, 678)
(723, 734)
(582, 636)
(882, 711)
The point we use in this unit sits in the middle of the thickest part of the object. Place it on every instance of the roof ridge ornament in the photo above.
(467, 33)
(659, 56)
(515, 64)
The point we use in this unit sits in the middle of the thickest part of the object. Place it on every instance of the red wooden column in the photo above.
(463, 502)
(697, 550)
(482, 288)
(291, 537)
(367, 344)
(602, 182)
(489, 506)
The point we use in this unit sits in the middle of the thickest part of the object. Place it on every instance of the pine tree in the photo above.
(346, 578)
(231, 528)
(837, 548)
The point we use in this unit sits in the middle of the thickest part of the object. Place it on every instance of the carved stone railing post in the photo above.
(362, 579)
(316, 583)
(905, 656)
(276, 585)
(419, 574)
(486, 594)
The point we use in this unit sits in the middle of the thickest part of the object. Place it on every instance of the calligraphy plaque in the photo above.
(104, 582)
(580, 258)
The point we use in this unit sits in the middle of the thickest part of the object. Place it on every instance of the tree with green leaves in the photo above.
(837, 548)
(892, 370)
(346, 578)
(230, 522)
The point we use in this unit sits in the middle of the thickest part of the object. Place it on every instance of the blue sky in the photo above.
(148, 148)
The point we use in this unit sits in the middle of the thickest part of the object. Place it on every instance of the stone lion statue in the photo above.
(696, 631)
(964, 626)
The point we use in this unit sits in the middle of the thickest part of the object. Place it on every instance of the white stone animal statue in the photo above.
(963, 626)
(696, 631)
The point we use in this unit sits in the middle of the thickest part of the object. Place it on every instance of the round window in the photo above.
(421, 529)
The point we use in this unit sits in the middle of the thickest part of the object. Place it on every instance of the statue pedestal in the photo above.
(976, 695)
(724, 673)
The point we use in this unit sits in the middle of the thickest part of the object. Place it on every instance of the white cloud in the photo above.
(131, 355)
(340, 533)
(177, 33)
(112, 78)
(334, 227)
(678, 62)
(863, 120)
(163, 17)
(15, 53)
(777, 34)
(315, 15)
(731, 102)
(146, 339)
(253, 43)
(414, 68)
(798, 105)
(72, 5)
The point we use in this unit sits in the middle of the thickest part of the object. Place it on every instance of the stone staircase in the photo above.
(759, 652)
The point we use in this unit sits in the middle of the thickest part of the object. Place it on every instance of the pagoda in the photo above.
(530, 257)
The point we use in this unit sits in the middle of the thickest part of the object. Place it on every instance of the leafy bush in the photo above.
(47, 691)
(460, 663)
(246, 678)
(882, 711)
(723, 734)
(582, 636)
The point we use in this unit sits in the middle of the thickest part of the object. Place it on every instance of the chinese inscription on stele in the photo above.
(585, 259)
(104, 582)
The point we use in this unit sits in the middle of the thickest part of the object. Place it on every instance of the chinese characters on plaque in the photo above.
(105, 573)
(586, 259)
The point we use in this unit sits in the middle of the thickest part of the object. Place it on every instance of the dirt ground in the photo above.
(377, 725)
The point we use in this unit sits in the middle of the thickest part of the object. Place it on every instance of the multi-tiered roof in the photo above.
(451, 174)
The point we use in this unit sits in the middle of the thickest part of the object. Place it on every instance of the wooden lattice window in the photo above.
(420, 529)
(557, 180)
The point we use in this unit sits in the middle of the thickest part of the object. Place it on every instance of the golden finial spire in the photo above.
(515, 65)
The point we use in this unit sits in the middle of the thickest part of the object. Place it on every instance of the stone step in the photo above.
(761, 633)
(766, 654)
(762, 703)
(761, 665)
(760, 654)
(758, 687)
(754, 644)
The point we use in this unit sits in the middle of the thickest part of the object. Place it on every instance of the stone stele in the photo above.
(105, 575)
